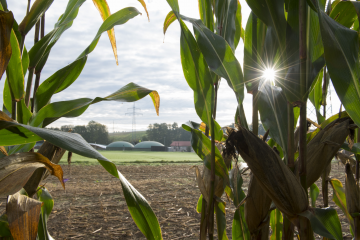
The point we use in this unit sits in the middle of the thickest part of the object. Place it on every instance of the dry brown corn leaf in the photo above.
(352, 191)
(344, 158)
(16, 169)
(257, 206)
(23, 216)
(201, 184)
(323, 147)
(274, 177)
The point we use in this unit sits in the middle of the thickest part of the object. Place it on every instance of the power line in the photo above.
(133, 113)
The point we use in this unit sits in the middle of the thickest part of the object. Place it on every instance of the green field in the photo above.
(127, 157)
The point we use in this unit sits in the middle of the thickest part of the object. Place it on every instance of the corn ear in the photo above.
(257, 207)
(323, 147)
(274, 177)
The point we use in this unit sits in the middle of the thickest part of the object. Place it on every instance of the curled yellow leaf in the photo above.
(170, 18)
(144, 6)
(104, 11)
(156, 100)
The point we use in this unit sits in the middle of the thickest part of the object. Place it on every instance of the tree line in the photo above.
(93, 132)
(166, 133)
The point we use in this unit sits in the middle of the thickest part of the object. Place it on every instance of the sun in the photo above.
(269, 75)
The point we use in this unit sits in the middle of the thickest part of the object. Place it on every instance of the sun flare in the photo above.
(269, 75)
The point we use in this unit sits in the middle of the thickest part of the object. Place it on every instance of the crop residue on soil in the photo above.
(93, 206)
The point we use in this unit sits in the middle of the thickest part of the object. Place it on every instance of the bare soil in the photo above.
(93, 205)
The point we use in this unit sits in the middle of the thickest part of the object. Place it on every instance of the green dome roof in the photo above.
(148, 144)
(120, 144)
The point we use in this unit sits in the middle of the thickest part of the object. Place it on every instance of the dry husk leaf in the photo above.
(219, 182)
(352, 191)
(345, 157)
(23, 216)
(16, 169)
(257, 207)
(323, 147)
(274, 177)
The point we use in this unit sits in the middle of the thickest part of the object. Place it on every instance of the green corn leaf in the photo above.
(339, 199)
(67, 75)
(7, 97)
(219, 57)
(355, 149)
(221, 220)
(218, 54)
(198, 76)
(39, 53)
(272, 14)
(174, 5)
(314, 193)
(139, 208)
(225, 12)
(25, 60)
(199, 204)
(324, 222)
(276, 223)
(315, 96)
(240, 230)
(315, 51)
(4, 226)
(253, 69)
(38, 8)
(7, 20)
(273, 113)
(239, 227)
(74, 108)
(202, 146)
(169, 19)
(23, 112)
(4, 5)
(206, 14)
(238, 25)
(21, 148)
(341, 48)
(14, 70)
(45, 197)
(344, 13)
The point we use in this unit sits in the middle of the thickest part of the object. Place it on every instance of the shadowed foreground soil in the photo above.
(93, 205)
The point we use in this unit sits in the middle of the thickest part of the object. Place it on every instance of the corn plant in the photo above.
(28, 109)
(292, 50)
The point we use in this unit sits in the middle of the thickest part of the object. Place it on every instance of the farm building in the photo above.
(149, 146)
(120, 145)
(181, 146)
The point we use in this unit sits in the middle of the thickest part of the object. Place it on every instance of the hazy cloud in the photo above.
(145, 57)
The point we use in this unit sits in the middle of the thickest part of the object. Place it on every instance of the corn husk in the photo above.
(344, 157)
(274, 177)
(257, 207)
(323, 147)
(352, 191)
(219, 182)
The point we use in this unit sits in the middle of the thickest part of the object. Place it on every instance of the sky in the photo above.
(146, 58)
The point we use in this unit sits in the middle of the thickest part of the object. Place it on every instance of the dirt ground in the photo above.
(93, 205)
